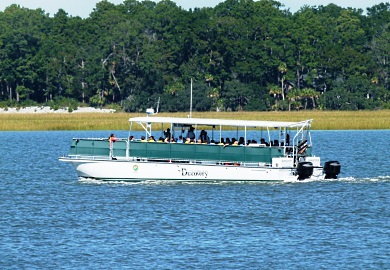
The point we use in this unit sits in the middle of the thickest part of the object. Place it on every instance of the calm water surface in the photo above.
(50, 220)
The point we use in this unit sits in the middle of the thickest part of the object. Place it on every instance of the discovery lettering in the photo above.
(185, 172)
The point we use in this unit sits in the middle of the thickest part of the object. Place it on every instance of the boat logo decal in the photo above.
(135, 168)
(185, 172)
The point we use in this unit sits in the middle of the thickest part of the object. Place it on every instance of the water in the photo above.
(49, 220)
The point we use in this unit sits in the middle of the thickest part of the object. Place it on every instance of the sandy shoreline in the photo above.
(47, 109)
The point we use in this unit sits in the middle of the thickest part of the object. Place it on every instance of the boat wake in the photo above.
(91, 181)
(365, 179)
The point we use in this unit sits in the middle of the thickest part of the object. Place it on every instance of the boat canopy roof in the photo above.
(219, 122)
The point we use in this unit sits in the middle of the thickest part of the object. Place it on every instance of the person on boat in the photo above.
(131, 138)
(191, 134)
(151, 139)
(188, 141)
(167, 140)
(203, 137)
(167, 134)
(180, 139)
(221, 142)
(241, 141)
(287, 139)
(161, 139)
(143, 139)
(227, 142)
(111, 141)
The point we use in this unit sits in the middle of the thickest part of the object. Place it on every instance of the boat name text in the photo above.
(185, 172)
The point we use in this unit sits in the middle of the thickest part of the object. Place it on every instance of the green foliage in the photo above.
(241, 55)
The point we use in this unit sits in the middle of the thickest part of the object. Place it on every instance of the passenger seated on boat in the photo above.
(276, 142)
(191, 134)
(227, 142)
(203, 137)
(221, 142)
(151, 139)
(262, 141)
(241, 141)
(212, 142)
(188, 141)
(161, 139)
(172, 140)
(180, 139)
(131, 138)
(143, 139)
(235, 143)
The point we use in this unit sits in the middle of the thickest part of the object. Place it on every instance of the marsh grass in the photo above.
(322, 120)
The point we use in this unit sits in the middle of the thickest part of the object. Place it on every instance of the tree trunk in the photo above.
(9, 90)
(298, 73)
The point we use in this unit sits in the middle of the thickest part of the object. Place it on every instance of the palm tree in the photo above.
(209, 78)
(213, 94)
(174, 88)
(276, 92)
(283, 70)
(309, 93)
(293, 96)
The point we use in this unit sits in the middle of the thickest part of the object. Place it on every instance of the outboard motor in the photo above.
(332, 169)
(304, 170)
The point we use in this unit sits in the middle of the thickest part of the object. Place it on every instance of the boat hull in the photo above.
(130, 170)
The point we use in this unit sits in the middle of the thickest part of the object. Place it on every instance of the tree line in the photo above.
(240, 55)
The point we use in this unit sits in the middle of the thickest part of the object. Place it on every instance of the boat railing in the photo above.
(123, 148)
(97, 147)
(88, 157)
(201, 151)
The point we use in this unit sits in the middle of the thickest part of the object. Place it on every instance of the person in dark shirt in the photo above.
(191, 134)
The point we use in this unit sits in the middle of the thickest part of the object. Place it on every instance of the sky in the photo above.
(83, 8)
